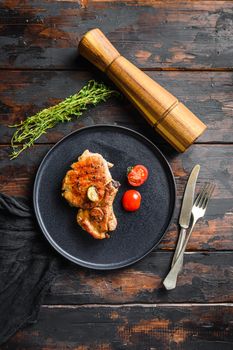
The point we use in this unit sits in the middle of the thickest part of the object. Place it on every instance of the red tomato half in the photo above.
(131, 200)
(137, 175)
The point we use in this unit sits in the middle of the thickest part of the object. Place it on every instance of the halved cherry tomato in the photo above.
(131, 200)
(137, 175)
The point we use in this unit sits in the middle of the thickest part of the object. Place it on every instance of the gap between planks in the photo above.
(145, 305)
(146, 69)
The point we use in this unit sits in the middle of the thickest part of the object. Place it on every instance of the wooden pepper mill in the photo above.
(170, 118)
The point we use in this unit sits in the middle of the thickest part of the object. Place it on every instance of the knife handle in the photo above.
(170, 118)
(171, 278)
(179, 245)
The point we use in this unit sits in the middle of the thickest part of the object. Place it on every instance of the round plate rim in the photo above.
(59, 249)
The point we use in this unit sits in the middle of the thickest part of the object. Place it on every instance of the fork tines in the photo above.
(204, 196)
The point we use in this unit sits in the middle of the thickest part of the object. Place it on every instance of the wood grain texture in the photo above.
(205, 278)
(151, 34)
(129, 308)
(129, 327)
(214, 232)
(208, 94)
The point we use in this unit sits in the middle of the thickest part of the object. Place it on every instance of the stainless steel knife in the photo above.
(185, 213)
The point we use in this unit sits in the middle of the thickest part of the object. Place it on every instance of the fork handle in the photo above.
(179, 245)
(170, 281)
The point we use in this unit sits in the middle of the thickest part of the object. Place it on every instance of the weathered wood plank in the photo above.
(23, 93)
(154, 34)
(214, 232)
(206, 277)
(152, 327)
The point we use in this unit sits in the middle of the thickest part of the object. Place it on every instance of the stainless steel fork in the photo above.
(198, 211)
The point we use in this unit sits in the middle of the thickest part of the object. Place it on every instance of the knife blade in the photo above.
(186, 209)
(187, 203)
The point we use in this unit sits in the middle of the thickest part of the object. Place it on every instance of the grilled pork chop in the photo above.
(90, 187)
(90, 170)
(100, 219)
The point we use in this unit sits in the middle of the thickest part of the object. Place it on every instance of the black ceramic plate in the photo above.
(137, 233)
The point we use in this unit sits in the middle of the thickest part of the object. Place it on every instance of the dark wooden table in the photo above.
(187, 47)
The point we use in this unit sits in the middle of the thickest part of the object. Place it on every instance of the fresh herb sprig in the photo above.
(29, 130)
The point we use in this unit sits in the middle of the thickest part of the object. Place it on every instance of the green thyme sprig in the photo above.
(29, 130)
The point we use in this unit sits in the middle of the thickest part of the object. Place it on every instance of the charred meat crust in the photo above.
(92, 170)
